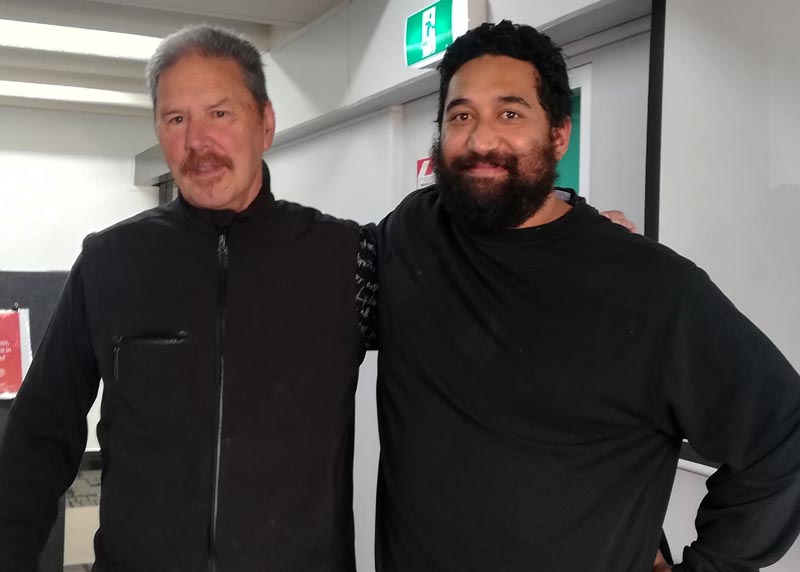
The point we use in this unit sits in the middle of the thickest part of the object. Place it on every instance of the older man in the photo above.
(225, 328)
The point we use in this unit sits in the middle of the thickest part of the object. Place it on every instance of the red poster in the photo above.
(10, 353)
(425, 176)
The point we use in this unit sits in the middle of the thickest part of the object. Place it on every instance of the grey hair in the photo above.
(212, 42)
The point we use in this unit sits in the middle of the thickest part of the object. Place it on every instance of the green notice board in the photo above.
(569, 167)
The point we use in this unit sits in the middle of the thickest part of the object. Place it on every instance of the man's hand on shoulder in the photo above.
(619, 218)
(660, 565)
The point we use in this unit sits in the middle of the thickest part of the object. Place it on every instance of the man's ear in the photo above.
(560, 138)
(268, 117)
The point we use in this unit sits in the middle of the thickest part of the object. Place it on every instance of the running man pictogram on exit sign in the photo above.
(430, 31)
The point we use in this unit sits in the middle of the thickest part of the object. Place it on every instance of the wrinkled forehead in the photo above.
(198, 77)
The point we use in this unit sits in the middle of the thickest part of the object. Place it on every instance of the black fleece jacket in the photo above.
(229, 345)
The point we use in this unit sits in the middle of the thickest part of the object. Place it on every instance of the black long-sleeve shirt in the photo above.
(534, 388)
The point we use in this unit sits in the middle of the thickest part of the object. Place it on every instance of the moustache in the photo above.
(195, 161)
(493, 158)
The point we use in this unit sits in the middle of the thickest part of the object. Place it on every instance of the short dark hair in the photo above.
(519, 42)
(212, 42)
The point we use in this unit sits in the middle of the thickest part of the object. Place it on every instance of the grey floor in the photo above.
(85, 491)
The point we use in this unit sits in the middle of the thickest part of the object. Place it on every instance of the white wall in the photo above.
(356, 54)
(620, 76)
(349, 171)
(309, 76)
(352, 56)
(540, 12)
(730, 184)
(62, 176)
(419, 127)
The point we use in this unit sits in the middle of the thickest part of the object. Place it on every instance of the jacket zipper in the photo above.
(222, 283)
(160, 338)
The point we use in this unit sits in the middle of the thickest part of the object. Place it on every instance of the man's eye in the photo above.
(460, 117)
(510, 115)
(220, 113)
(175, 120)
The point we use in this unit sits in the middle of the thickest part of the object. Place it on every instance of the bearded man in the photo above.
(539, 366)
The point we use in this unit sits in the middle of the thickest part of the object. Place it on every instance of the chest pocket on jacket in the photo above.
(149, 384)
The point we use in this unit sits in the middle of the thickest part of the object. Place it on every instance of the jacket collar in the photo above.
(261, 207)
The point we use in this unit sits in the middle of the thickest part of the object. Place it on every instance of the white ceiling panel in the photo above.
(56, 43)
(294, 12)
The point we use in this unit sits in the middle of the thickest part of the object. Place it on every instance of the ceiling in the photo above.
(279, 12)
(72, 66)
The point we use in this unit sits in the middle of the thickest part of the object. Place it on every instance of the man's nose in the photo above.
(197, 134)
(483, 138)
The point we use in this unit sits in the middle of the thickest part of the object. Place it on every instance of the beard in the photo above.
(488, 205)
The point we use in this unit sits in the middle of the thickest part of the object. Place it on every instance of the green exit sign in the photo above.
(431, 30)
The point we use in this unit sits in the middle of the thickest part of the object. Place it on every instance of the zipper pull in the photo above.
(222, 245)
(222, 242)
(117, 344)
